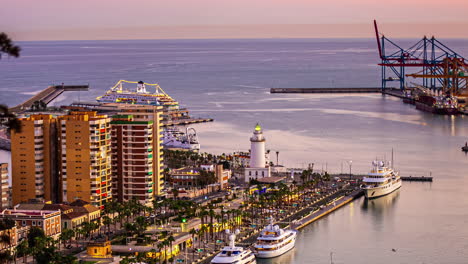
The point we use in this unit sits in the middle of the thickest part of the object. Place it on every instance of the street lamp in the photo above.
(350, 165)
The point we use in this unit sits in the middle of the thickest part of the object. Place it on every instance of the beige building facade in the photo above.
(85, 158)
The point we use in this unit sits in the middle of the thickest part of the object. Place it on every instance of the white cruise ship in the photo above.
(118, 94)
(232, 254)
(381, 181)
(274, 241)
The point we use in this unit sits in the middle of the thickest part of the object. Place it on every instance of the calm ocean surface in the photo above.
(229, 81)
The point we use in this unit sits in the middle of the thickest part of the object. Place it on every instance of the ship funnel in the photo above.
(141, 87)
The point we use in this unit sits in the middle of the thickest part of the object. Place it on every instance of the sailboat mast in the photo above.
(393, 167)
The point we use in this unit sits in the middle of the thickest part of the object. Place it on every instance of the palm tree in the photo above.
(107, 221)
(7, 46)
(66, 235)
(170, 240)
(23, 250)
(193, 232)
(160, 246)
(9, 120)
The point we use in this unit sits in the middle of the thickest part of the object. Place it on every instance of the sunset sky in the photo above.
(121, 19)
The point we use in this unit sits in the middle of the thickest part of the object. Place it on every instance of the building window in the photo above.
(34, 223)
(256, 173)
(250, 173)
(39, 223)
(263, 174)
(23, 223)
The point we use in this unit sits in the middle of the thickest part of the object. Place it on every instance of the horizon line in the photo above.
(253, 31)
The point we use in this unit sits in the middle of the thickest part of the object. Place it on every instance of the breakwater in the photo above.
(327, 90)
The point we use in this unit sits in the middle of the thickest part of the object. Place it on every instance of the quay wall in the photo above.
(316, 215)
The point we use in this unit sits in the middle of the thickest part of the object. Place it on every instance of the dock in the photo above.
(48, 95)
(327, 90)
(416, 178)
(329, 208)
(187, 121)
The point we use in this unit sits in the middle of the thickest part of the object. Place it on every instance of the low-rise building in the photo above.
(189, 178)
(4, 188)
(47, 220)
(93, 213)
(72, 215)
(70, 218)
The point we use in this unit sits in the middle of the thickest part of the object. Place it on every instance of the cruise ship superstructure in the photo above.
(381, 181)
(274, 241)
(119, 94)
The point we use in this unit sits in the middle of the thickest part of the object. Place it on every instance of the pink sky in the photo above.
(117, 19)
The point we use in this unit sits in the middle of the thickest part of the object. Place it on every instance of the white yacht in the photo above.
(274, 241)
(381, 181)
(232, 254)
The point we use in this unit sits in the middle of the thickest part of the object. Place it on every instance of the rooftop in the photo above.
(271, 179)
(19, 212)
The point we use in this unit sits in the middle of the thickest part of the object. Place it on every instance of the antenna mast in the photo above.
(393, 167)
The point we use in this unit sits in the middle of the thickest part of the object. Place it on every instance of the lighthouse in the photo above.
(258, 167)
(257, 148)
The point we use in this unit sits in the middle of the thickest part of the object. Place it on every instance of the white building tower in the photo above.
(257, 148)
(258, 167)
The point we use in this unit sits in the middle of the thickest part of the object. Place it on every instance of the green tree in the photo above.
(66, 235)
(9, 120)
(35, 232)
(22, 250)
(7, 46)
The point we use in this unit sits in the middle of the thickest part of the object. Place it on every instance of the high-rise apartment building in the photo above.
(137, 145)
(4, 188)
(85, 157)
(132, 159)
(33, 160)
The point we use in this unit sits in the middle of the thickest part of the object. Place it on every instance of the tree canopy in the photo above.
(7, 46)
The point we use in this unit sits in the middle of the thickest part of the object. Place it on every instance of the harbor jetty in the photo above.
(328, 208)
(416, 178)
(327, 90)
(48, 95)
(403, 178)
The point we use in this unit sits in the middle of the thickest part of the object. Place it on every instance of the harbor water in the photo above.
(229, 80)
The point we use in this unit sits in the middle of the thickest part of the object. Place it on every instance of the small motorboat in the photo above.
(465, 148)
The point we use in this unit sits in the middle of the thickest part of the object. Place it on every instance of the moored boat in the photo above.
(442, 105)
(274, 241)
(381, 181)
(231, 254)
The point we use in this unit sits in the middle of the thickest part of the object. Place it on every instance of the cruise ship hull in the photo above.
(277, 252)
(372, 193)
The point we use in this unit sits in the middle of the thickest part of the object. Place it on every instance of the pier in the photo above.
(327, 90)
(327, 209)
(48, 95)
(187, 121)
(416, 178)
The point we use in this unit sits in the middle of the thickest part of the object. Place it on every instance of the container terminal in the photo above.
(439, 76)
